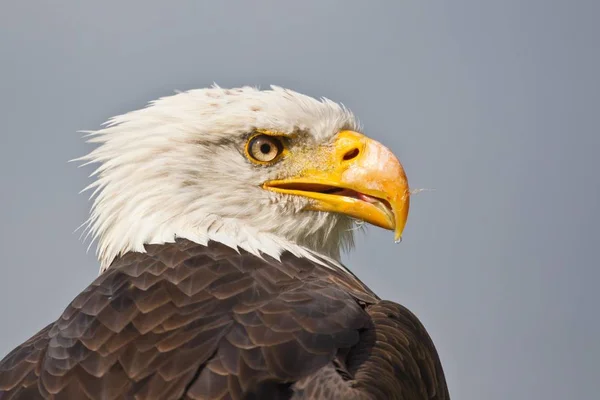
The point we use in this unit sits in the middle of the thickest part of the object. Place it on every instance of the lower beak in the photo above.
(357, 176)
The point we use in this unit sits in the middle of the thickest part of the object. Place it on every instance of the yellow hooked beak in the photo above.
(356, 176)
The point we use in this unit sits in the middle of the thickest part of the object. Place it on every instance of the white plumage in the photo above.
(156, 180)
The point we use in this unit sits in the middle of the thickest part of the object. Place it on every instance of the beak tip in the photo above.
(398, 237)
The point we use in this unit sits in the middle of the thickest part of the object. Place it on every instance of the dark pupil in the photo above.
(265, 148)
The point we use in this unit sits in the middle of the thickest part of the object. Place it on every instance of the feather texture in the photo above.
(176, 169)
(192, 321)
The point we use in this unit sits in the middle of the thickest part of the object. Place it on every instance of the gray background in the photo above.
(495, 106)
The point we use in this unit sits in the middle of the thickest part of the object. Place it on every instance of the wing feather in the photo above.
(206, 322)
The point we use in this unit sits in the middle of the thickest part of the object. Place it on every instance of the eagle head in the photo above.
(263, 170)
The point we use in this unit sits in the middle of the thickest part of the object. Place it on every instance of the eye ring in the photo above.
(264, 149)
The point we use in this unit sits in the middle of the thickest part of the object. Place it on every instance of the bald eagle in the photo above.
(220, 215)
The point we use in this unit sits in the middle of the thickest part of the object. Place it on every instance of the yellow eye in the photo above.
(265, 148)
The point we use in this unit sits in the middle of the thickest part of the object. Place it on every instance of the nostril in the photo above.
(351, 154)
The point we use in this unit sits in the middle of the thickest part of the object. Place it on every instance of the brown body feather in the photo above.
(186, 321)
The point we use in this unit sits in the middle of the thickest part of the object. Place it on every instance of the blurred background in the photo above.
(493, 105)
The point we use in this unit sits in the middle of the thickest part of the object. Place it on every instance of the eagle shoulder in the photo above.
(207, 322)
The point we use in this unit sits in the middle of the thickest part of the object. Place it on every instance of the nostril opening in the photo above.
(351, 154)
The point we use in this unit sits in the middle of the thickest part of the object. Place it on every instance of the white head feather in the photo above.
(177, 169)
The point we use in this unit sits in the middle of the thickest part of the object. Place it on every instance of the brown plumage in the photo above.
(186, 321)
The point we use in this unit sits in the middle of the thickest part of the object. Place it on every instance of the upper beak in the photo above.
(356, 176)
